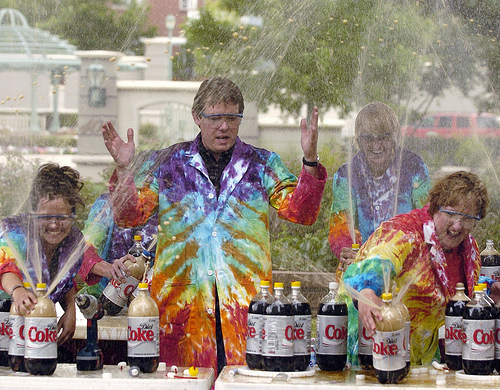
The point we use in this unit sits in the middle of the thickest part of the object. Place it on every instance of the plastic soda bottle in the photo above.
(17, 344)
(490, 261)
(389, 361)
(137, 248)
(331, 331)
(479, 324)
(115, 295)
(301, 328)
(143, 346)
(454, 336)
(277, 344)
(40, 334)
(255, 327)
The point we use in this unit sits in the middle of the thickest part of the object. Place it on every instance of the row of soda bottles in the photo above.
(472, 332)
(279, 334)
(29, 343)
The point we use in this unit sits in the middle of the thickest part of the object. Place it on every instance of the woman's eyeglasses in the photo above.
(468, 221)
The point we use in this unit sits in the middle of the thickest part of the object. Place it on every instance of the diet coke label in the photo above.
(302, 335)
(331, 337)
(118, 293)
(479, 341)
(5, 331)
(454, 336)
(143, 338)
(365, 342)
(254, 333)
(388, 350)
(278, 336)
(17, 343)
(40, 334)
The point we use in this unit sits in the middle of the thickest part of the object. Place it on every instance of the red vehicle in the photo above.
(454, 124)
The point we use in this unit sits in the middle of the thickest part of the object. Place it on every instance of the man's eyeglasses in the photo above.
(375, 138)
(216, 120)
(468, 221)
(49, 218)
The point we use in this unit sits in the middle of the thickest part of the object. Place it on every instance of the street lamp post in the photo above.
(170, 25)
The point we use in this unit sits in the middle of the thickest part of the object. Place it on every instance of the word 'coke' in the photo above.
(478, 351)
(454, 336)
(255, 327)
(389, 361)
(277, 344)
(5, 331)
(116, 294)
(40, 334)
(143, 346)
(490, 261)
(301, 310)
(331, 333)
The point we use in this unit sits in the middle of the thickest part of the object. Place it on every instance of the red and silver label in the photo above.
(40, 335)
(331, 335)
(143, 340)
(254, 333)
(389, 350)
(479, 339)
(278, 336)
(17, 343)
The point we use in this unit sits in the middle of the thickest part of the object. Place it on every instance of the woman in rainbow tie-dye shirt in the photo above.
(431, 249)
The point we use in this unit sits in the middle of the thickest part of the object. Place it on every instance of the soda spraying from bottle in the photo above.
(115, 295)
(40, 333)
(478, 351)
(454, 337)
(389, 361)
(143, 346)
(255, 327)
(17, 343)
(5, 330)
(490, 262)
(302, 328)
(331, 333)
(277, 345)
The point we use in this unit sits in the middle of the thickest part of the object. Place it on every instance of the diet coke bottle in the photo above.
(454, 337)
(115, 295)
(137, 248)
(5, 330)
(255, 327)
(490, 262)
(17, 344)
(277, 344)
(40, 334)
(331, 333)
(143, 346)
(302, 328)
(389, 361)
(497, 339)
(478, 351)
(365, 347)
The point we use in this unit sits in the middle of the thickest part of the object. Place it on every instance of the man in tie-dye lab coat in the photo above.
(213, 196)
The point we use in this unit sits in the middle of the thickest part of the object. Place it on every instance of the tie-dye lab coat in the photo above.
(407, 245)
(206, 241)
(69, 253)
(374, 200)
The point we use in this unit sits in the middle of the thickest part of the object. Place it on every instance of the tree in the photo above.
(90, 24)
(340, 54)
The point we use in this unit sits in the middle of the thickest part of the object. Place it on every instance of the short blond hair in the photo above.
(377, 118)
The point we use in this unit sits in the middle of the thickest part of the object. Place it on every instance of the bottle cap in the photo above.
(387, 297)
(296, 284)
(333, 286)
(477, 287)
(143, 286)
(41, 286)
(137, 238)
(278, 285)
(460, 286)
(355, 246)
(264, 283)
(26, 285)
